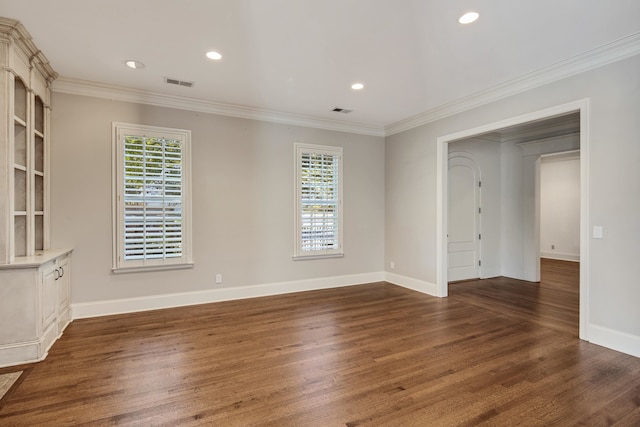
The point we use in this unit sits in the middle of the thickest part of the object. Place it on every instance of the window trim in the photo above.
(299, 150)
(119, 265)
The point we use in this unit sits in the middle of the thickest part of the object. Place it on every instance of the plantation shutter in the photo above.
(319, 201)
(152, 198)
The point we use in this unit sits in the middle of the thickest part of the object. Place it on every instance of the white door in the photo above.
(464, 219)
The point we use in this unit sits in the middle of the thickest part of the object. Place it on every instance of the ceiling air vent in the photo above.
(342, 110)
(178, 82)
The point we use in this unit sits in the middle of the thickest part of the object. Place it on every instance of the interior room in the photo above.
(242, 212)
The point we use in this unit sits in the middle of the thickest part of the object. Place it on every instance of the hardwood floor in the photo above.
(494, 352)
(553, 303)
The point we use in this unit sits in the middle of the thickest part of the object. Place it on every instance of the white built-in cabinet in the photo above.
(34, 305)
(34, 279)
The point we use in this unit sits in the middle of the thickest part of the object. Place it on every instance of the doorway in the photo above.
(559, 179)
(580, 107)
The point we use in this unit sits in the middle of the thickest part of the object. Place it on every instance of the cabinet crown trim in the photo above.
(14, 31)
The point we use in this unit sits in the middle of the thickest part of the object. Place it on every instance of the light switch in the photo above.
(597, 232)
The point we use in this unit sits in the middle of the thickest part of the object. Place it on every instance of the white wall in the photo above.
(613, 183)
(560, 207)
(242, 202)
(513, 219)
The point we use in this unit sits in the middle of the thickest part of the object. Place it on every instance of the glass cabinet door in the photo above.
(29, 171)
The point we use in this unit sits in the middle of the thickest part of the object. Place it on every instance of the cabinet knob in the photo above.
(61, 272)
(57, 271)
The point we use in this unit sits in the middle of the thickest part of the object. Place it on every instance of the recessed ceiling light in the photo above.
(357, 86)
(136, 65)
(214, 55)
(468, 18)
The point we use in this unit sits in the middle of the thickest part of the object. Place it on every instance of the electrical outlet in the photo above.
(598, 232)
(553, 246)
(392, 265)
(218, 278)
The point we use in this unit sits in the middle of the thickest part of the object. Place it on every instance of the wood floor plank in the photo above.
(495, 352)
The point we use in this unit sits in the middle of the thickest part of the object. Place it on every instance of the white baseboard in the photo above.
(413, 284)
(615, 340)
(155, 302)
(560, 256)
(18, 354)
(28, 352)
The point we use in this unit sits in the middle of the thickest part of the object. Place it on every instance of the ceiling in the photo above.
(301, 56)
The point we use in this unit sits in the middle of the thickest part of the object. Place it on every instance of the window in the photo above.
(318, 201)
(151, 176)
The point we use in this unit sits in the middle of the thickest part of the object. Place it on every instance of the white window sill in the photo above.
(143, 268)
(304, 257)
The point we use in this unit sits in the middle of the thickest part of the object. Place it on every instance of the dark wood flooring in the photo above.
(497, 352)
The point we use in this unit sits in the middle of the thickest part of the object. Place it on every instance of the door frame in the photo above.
(581, 106)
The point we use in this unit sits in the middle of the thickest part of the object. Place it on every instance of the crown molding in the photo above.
(139, 96)
(594, 58)
(560, 157)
